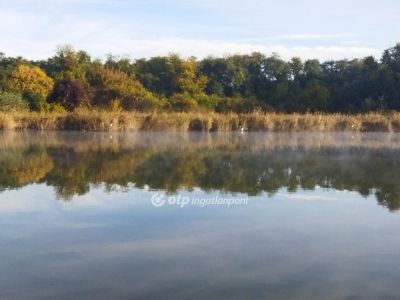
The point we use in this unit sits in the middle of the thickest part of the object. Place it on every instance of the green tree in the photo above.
(109, 85)
(67, 63)
(391, 76)
(170, 75)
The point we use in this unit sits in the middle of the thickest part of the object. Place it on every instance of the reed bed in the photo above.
(198, 121)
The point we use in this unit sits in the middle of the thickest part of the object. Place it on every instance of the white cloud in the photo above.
(301, 37)
(137, 48)
(36, 35)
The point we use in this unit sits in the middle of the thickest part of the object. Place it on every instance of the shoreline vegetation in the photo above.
(218, 92)
(82, 120)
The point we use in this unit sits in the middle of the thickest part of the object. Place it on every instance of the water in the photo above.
(108, 215)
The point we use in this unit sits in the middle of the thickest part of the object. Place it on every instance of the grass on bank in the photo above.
(198, 121)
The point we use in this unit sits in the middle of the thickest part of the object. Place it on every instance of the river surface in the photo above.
(199, 216)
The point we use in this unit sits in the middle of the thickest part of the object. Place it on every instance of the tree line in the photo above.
(72, 80)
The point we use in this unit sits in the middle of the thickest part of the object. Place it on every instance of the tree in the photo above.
(391, 76)
(189, 81)
(112, 85)
(7, 65)
(123, 64)
(30, 79)
(314, 98)
(391, 58)
(170, 75)
(70, 93)
(159, 74)
(233, 83)
(218, 75)
(67, 63)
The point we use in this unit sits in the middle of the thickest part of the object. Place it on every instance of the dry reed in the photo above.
(198, 121)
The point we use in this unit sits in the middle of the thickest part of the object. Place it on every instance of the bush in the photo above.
(182, 102)
(236, 104)
(37, 102)
(10, 101)
(209, 102)
(70, 94)
(55, 107)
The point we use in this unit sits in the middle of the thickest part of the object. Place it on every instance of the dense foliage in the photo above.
(238, 83)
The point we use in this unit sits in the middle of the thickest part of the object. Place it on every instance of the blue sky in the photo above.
(144, 28)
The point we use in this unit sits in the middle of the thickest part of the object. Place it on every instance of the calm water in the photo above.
(278, 216)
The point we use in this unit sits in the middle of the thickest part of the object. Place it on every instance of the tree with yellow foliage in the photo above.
(189, 81)
(31, 80)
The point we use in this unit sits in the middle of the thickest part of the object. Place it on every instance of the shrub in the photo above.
(70, 94)
(209, 102)
(10, 101)
(37, 102)
(182, 102)
(236, 104)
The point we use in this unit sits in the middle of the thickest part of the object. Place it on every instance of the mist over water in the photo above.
(78, 217)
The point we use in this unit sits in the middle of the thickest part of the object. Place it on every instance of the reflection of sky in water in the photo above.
(308, 244)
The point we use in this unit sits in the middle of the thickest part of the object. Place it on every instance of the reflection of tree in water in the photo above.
(253, 173)
(19, 168)
(229, 169)
(75, 172)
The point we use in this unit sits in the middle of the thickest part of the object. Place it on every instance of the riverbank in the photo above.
(173, 121)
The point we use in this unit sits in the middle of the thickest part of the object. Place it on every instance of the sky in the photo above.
(144, 28)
